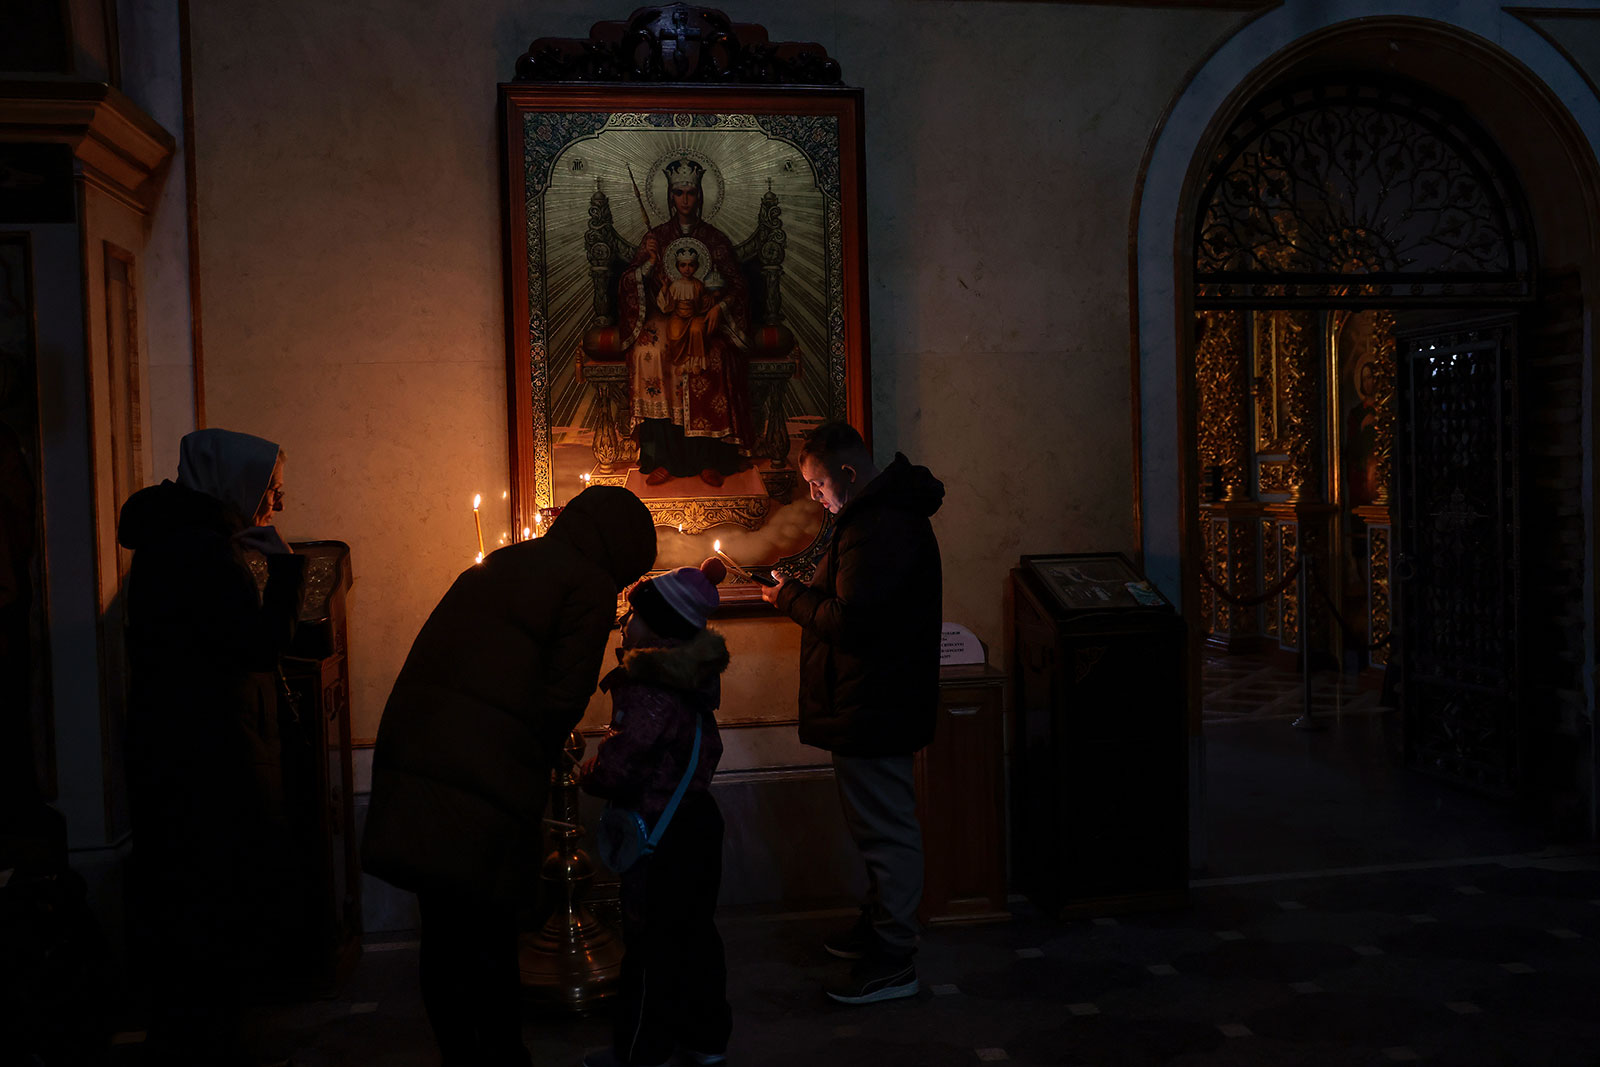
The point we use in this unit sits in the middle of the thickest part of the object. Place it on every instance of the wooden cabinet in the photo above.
(961, 800)
(325, 929)
(1099, 749)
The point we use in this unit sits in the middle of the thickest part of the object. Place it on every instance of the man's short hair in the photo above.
(833, 443)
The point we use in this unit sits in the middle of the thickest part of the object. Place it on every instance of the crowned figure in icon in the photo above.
(684, 313)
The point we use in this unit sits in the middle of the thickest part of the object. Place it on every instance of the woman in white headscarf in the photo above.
(204, 757)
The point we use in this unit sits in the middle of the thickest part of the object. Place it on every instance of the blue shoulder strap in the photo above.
(677, 794)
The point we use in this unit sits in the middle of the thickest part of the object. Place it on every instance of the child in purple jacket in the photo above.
(673, 996)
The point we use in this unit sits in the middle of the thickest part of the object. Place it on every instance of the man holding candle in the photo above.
(869, 683)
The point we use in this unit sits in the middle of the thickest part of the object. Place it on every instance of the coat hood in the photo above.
(690, 666)
(611, 527)
(154, 514)
(901, 485)
(235, 468)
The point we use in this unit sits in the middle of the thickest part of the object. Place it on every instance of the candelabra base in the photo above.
(573, 964)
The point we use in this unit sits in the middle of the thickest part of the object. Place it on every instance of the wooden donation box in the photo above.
(325, 925)
(961, 800)
(1100, 742)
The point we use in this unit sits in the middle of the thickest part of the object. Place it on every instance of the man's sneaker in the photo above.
(701, 1059)
(853, 942)
(607, 1057)
(877, 978)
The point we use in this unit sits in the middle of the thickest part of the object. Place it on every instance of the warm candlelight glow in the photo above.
(716, 547)
(477, 498)
(477, 523)
(525, 533)
(479, 559)
(680, 527)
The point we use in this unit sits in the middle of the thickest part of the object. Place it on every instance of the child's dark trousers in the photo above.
(674, 976)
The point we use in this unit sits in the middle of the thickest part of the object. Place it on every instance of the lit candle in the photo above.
(680, 527)
(525, 533)
(477, 523)
(716, 547)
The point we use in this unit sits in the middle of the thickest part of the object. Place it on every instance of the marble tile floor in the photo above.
(1277, 799)
(1257, 687)
(1350, 911)
(1470, 964)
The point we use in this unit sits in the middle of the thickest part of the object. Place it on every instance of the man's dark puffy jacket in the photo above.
(870, 619)
(496, 680)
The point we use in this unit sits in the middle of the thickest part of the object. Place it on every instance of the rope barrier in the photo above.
(1249, 601)
(1351, 635)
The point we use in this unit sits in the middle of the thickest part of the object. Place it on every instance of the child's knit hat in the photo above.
(677, 603)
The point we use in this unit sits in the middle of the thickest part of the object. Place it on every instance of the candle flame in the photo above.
(479, 558)
(524, 533)
(716, 546)
(477, 498)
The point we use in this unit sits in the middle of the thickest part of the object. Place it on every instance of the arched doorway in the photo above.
(1537, 284)
(1365, 492)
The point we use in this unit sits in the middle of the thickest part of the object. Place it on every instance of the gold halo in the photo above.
(670, 255)
(709, 205)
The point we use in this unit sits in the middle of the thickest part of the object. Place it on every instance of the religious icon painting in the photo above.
(686, 299)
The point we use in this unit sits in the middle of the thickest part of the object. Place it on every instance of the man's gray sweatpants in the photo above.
(879, 798)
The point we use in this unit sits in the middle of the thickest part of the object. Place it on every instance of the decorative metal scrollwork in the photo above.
(677, 43)
(1341, 193)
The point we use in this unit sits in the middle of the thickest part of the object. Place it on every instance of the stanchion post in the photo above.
(1307, 719)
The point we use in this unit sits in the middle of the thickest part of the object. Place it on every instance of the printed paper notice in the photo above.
(957, 645)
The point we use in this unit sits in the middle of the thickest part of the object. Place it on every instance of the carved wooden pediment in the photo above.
(677, 43)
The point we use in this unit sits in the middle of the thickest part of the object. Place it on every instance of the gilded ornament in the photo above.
(1383, 366)
(1289, 599)
(1224, 400)
(1379, 614)
(1271, 572)
(1299, 378)
(1273, 476)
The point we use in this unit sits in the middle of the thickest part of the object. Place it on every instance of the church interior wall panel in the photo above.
(351, 273)
(151, 77)
(389, 467)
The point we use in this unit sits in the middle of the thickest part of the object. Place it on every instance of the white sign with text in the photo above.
(958, 645)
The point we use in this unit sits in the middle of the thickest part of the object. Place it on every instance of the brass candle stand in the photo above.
(574, 961)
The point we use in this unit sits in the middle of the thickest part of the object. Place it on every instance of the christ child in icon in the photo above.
(692, 312)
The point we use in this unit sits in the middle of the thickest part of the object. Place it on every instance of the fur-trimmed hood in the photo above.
(690, 666)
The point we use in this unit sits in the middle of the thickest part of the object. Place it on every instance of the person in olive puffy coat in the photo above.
(869, 684)
(497, 678)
